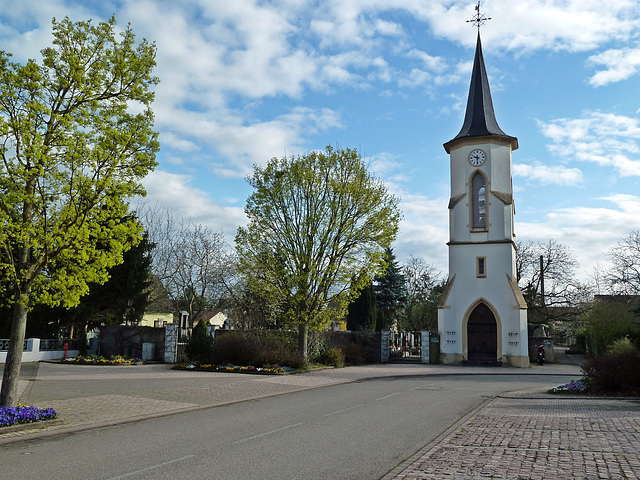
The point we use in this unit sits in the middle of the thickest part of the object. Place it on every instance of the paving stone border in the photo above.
(31, 426)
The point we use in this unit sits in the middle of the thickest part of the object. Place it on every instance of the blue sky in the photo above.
(243, 81)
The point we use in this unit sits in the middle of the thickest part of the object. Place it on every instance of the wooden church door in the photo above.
(482, 335)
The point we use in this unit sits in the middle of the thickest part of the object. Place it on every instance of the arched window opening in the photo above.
(478, 201)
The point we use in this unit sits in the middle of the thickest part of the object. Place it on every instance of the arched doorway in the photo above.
(482, 335)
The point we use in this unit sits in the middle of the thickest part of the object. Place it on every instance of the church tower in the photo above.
(482, 316)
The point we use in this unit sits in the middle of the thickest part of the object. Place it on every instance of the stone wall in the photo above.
(128, 341)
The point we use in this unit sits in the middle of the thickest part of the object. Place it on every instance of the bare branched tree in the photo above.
(423, 282)
(546, 275)
(624, 277)
(192, 263)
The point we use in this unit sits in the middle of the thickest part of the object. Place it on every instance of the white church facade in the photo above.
(482, 316)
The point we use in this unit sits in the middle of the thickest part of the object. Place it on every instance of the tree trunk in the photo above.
(302, 339)
(9, 392)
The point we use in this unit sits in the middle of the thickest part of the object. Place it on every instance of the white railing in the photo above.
(35, 350)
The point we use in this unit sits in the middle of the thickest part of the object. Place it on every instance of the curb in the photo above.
(30, 426)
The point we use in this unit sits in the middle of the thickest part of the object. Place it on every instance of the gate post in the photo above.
(424, 346)
(170, 342)
(385, 344)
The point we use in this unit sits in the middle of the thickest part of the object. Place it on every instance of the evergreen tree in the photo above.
(391, 293)
(362, 311)
(124, 296)
(200, 346)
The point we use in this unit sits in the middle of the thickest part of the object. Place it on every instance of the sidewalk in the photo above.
(535, 436)
(526, 435)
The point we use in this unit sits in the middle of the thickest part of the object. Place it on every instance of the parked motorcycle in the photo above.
(540, 355)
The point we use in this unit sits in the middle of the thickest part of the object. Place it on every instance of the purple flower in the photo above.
(25, 414)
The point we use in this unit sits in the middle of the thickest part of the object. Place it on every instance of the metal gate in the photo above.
(405, 347)
(181, 357)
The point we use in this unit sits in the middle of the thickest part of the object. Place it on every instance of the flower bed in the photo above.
(579, 386)
(232, 368)
(22, 414)
(98, 360)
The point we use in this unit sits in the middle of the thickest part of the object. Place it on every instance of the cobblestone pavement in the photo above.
(535, 437)
(528, 435)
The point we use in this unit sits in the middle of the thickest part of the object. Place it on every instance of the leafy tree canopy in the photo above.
(76, 137)
(315, 222)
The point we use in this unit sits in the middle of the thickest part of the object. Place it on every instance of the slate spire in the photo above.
(480, 119)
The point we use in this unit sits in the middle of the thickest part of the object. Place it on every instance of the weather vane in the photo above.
(478, 19)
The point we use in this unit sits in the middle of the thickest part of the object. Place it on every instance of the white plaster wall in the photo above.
(494, 289)
(466, 245)
(497, 169)
(28, 356)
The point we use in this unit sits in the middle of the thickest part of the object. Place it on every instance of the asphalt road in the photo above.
(352, 431)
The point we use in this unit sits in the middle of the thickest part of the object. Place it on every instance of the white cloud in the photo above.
(178, 142)
(245, 145)
(570, 25)
(437, 64)
(619, 64)
(603, 138)
(590, 232)
(424, 231)
(548, 175)
(175, 193)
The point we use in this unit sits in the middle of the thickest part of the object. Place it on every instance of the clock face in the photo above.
(477, 157)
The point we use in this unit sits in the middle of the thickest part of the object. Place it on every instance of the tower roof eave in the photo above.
(513, 141)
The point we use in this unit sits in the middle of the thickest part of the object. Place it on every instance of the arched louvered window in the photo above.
(478, 201)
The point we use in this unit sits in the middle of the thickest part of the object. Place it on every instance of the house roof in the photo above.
(480, 119)
(207, 315)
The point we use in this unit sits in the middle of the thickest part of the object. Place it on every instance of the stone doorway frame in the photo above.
(465, 329)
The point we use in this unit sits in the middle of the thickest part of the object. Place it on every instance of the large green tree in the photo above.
(316, 221)
(76, 137)
(122, 298)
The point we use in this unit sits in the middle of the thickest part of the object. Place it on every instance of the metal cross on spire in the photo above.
(478, 19)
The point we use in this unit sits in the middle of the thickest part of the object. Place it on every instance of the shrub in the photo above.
(332, 356)
(278, 350)
(607, 322)
(622, 345)
(358, 347)
(263, 349)
(615, 372)
(199, 348)
(234, 348)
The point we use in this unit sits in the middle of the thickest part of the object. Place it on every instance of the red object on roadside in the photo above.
(66, 348)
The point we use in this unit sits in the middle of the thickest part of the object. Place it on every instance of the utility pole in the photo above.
(542, 278)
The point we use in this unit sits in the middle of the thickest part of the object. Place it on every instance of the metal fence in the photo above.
(4, 345)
